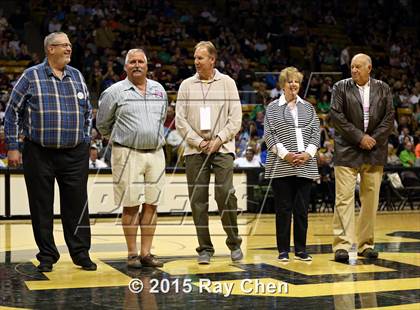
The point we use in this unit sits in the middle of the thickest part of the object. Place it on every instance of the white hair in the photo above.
(49, 39)
(135, 50)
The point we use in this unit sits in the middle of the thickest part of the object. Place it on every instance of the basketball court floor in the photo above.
(259, 281)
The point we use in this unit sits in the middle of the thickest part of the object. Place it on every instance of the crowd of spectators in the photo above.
(255, 40)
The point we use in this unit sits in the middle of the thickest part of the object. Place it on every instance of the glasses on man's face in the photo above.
(64, 45)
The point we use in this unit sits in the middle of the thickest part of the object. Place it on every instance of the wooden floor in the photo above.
(259, 281)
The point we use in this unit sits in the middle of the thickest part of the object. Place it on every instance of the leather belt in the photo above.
(138, 150)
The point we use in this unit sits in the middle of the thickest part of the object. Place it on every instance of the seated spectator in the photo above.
(261, 97)
(314, 89)
(94, 162)
(404, 97)
(326, 87)
(329, 18)
(246, 76)
(106, 151)
(326, 135)
(407, 156)
(253, 131)
(249, 160)
(259, 122)
(255, 142)
(405, 121)
(405, 133)
(393, 159)
(3, 22)
(263, 153)
(414, 98)
(327, 153)
(96, 139)
(417, 152)
(271, 79)
(345, 61)
(241, 139)
(3, 147)
(258, 108)
(54, 25)
(276, 92)
(174, 149)
(323, 105)
(326, 181)
(417, 114)
(170, 119)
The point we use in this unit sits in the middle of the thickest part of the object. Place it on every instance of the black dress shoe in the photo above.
(369, 253)
(341, 256)
(87, 264)
(45, 267)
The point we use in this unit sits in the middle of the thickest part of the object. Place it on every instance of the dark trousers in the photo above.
(198, 169)
(70, 168)
(291, 196)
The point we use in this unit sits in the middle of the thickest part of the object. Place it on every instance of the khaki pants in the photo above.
(343, 221)
(198, 168)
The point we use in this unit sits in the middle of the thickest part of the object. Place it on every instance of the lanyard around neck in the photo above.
(207, 92)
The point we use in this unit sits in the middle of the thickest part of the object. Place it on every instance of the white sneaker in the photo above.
(236, 255)
(204, 258)
(303, 256)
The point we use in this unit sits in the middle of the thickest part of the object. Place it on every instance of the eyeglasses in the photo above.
(62, 45)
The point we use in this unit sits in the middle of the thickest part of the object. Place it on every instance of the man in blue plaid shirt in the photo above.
(50, 106)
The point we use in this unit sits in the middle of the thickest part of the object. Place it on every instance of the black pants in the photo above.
(198, 169)
(291, 196)
(70, 168)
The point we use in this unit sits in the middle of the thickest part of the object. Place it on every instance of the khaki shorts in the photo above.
(138, 177)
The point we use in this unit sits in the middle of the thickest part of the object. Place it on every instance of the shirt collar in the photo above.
(151, 88)
(217, 76)
(367, 85)
(50, 72)
(130, 85)
(282, 100)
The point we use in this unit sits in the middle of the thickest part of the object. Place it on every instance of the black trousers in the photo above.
(70, 168)
(291, 196)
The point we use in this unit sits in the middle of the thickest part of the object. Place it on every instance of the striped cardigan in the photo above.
(279, 128)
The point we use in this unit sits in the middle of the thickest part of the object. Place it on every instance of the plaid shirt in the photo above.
(51, 112)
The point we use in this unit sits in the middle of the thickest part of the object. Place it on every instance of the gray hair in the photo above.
(135, 50)
(49, 39)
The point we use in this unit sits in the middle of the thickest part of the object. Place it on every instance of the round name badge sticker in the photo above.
(80, 95)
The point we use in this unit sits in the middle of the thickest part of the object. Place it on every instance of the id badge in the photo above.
(299, 140)
(205, 118)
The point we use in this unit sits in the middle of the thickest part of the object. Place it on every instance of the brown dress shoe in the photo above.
(151, 261)
(133, 261)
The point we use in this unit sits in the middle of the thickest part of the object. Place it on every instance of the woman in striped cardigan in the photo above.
(292, 135)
